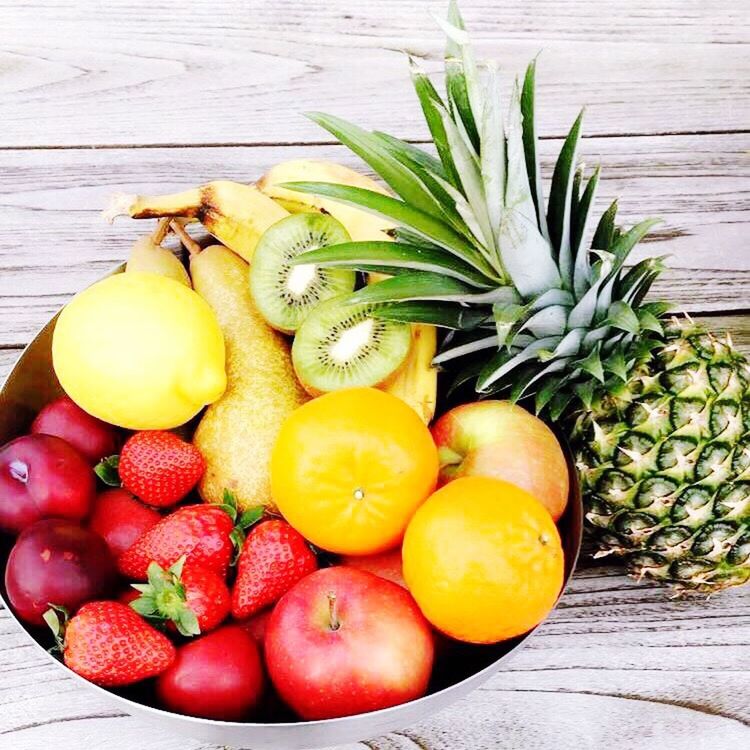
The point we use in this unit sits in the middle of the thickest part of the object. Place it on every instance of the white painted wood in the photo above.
(618, 665)
(89, 73)
(55, 243)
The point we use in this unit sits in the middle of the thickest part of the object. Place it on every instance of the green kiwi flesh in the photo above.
(285, 294)
(345, 346)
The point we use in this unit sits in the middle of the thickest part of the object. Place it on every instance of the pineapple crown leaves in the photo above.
(531, 305)
(164, 598)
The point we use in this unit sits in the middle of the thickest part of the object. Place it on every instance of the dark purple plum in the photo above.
(57, 562)
(42, 476)
(90, 436)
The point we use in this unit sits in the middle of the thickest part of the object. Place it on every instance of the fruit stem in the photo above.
(191, 245)
(332, 614)
(161, 231)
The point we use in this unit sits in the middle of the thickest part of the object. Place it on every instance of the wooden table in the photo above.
(154, 96)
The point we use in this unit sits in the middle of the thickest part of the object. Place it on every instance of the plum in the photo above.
(63, 418)
(42, 476)
(217, 676)
(55, 561)
(120, 519)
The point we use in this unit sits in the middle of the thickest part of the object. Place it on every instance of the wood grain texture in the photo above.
(221, 84)
(52, 200)
(617, 663)
(84, 73)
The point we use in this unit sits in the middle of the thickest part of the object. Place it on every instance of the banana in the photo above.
(416, 381)
(234, 213)
(361, 225)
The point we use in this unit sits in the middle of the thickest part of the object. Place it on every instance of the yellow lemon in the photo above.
(140, 351)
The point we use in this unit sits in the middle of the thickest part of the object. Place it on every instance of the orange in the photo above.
(349, 469)
(483, 560)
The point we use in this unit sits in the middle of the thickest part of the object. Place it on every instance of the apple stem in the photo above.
(334, 620)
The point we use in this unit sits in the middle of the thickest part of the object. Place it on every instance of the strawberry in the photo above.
(109, 644)
(204, 534)
(193, 601)
(160, 468)
(273, 558)
(200, 533)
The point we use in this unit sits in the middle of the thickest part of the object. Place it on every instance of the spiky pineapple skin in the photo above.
(665, 464)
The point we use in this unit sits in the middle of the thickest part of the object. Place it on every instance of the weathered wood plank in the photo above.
(241, 73)
(54, 242)
(614, 659)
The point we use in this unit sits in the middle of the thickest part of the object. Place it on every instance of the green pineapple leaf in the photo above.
(424, 225)
(371, 149)
(387, 256)
(558, 210)
(419, 285)
(530, 146)
(579, 221)
(604, 235)
(450, 315)
(429, 99)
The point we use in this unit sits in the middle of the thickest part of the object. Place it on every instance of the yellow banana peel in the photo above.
(361, 225)
(234, 213)
(416, 382)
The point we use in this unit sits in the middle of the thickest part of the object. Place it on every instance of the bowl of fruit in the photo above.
(237, 496)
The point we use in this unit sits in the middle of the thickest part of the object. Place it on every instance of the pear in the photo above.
(147, 255)
(238, 431)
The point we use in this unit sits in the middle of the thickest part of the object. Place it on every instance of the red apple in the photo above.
(387, 565)
(120, 519)
(502, 440)
(62, 417)
(344, 641)
(42, 476)
(217, 676)
(57, 562)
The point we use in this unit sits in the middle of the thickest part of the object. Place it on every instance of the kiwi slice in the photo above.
(344, 346)
(284, 294)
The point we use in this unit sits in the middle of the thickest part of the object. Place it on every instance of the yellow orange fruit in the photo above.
(350, 468)
(483, 560)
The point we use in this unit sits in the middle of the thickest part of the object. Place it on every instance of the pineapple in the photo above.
(538, 305)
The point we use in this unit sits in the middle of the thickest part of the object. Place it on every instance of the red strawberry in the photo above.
(200, 533)
(160, 468)
(110, 645)
(194, 600)
(273, 558)
(120, 519)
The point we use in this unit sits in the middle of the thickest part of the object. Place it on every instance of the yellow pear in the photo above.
(149, 256)
(140, 351)
(237, 432)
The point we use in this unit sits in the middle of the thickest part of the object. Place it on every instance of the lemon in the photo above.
(140, 351)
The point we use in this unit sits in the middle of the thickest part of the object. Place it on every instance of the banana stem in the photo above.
(190, 244)
(188, 204)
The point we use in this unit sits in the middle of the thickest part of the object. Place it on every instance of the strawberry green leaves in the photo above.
(107, 471)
